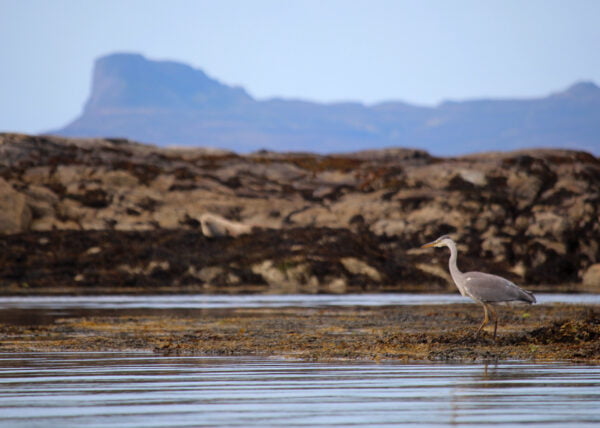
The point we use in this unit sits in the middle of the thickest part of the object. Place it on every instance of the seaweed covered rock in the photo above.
(310, 260)
(530, 215)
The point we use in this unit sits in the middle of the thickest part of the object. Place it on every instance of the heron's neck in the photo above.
(453, 266)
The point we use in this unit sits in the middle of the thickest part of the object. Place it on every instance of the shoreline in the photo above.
(88, 212)
(442, 333)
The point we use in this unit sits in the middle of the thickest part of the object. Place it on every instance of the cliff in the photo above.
(169, 103)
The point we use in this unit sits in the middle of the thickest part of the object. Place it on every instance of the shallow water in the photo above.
(127, 390)
(222, 301)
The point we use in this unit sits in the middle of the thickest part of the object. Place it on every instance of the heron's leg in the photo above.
(486, 318)
(495, 316)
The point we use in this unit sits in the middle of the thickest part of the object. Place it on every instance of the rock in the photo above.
(287, 277)
(273, 276)
(389, 228)
(591, 278)
(524, 189)
(496, 246)
(42, 201)
(475, 177)
(44, 223)
(170, 217)
(70, 176)
(70, 209)
(533, 212)
(163, 182)
(358, 267)
(337, 178)
(37, 174)
(337, 285)
(548, 224)
(15, 215)
(93, 250)
(214, 226)
(208, 274)
(118, 179)
(436, 271)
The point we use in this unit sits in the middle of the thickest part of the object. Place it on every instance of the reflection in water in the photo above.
(561, 394)
(114, 389)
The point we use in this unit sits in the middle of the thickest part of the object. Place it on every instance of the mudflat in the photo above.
(548, 332)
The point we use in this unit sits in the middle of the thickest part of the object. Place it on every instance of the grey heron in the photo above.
(484, 288)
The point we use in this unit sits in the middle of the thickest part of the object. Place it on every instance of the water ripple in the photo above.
(127, 390)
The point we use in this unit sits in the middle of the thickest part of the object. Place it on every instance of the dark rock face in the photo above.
(170, 103)
(313, 260)
(93, 212)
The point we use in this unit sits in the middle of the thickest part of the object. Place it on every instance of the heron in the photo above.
(486, 289)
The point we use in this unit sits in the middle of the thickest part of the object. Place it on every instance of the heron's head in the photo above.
(442, 241)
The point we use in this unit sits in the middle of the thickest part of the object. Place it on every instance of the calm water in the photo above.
(31, 310)
(133, 390)
(221, 301)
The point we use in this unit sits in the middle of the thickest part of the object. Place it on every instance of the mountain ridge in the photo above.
(170, 103)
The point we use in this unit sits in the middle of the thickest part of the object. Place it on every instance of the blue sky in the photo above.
(421, 52)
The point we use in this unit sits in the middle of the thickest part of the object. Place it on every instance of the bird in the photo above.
(484, 288)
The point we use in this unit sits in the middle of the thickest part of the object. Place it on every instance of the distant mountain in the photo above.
(168, 103)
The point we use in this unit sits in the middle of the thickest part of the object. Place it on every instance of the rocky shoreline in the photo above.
(397, 333)
(79, 214)
(113, 216)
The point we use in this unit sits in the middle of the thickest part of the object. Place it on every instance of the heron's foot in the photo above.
(479, 330)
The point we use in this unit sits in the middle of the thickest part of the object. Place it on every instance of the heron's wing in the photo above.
(491, 288)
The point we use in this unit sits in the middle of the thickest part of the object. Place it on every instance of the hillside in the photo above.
(169, 103)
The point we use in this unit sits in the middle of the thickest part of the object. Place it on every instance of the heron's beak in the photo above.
(431, 244)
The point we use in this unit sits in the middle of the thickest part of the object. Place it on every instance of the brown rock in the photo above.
(359, 267)
(214, 226)
(15, 215)
(42, 201)
(532, 212)
(591, 278)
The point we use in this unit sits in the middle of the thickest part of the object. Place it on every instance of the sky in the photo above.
(422, 51)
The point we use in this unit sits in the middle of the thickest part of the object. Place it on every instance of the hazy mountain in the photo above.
(169, 103)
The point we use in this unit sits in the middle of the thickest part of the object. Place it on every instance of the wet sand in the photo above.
(550, 332)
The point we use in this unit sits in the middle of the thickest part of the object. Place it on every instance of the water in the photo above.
(221, 301)
(133, 390)
(31, 310)
(140, 389)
